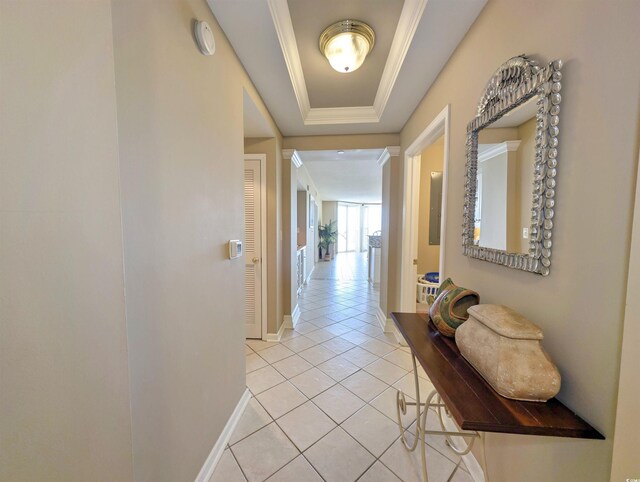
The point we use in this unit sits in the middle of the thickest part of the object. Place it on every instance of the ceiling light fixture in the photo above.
(340, 151)
(346, 44)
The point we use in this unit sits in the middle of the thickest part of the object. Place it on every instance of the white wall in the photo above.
(64, 386)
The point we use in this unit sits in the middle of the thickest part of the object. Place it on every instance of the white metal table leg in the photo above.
(421, 425)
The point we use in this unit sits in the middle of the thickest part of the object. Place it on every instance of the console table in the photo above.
(463, 394)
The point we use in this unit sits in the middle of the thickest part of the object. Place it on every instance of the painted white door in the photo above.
(253, 248)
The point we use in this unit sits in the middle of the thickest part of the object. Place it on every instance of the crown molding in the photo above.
(297, 160)
(394, 150)
(293, 155)
(389, 152)
(410, 16)
(342, 115)
(384, 157)
(502, 148)
(287, 38)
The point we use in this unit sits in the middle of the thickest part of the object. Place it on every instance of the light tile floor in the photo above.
(323, 405)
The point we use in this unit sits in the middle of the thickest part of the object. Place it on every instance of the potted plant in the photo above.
(328, 236)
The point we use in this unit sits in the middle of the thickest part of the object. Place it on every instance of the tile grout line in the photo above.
(367, 403)
(323, 298)
(238, 462)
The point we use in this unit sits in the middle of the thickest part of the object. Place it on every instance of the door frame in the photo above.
(628, 384)
(263, 239)
(439, 126)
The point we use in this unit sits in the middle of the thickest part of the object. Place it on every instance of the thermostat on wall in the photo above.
(235, 248)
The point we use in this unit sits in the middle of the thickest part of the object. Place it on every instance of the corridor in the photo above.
(323, 405)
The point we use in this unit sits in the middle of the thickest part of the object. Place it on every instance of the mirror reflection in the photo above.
(506, 157)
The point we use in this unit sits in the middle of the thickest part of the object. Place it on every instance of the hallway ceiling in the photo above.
(254, 123)
(353, 176)
(277, 42)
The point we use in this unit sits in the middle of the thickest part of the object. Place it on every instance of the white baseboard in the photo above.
(295, 316)
(290, 321)
(276, 336)
(388, 326)
(206, 472)
(287, 322)
(399, 338)
(306, 279)
(382, 319)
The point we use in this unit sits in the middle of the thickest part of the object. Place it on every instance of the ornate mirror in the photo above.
(512, 158)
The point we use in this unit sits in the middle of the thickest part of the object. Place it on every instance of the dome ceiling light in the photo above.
(346, 44)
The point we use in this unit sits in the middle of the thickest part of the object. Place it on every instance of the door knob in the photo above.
(255, 260)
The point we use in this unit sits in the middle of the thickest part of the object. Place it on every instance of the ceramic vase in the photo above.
(449, 308)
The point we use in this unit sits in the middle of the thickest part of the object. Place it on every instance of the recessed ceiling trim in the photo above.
(410, 16)
(384, 157)
(293, 155)
(497, 149)
(341, 115)
(287, 38)
(394, 150)
(295, 158)
(389, 151)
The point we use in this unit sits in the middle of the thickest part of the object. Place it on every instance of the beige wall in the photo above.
(271, 147)
(626, 463)
(311, 236)
(329, 211)
(302, 220)
(582, 331)
(384, 247)
(497, 134)
(515, 201)
(180, 130)
(64, 385)
(306, 181)
(431, 160)
(392, 216)
(526, 162)
(289, 227)
(519, 174)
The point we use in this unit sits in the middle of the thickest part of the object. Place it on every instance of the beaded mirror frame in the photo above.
(514, 83)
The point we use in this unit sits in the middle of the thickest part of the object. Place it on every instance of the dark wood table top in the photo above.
(473, 403)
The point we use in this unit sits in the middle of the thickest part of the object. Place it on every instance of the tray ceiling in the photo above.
(276, 40)
(325, 86)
